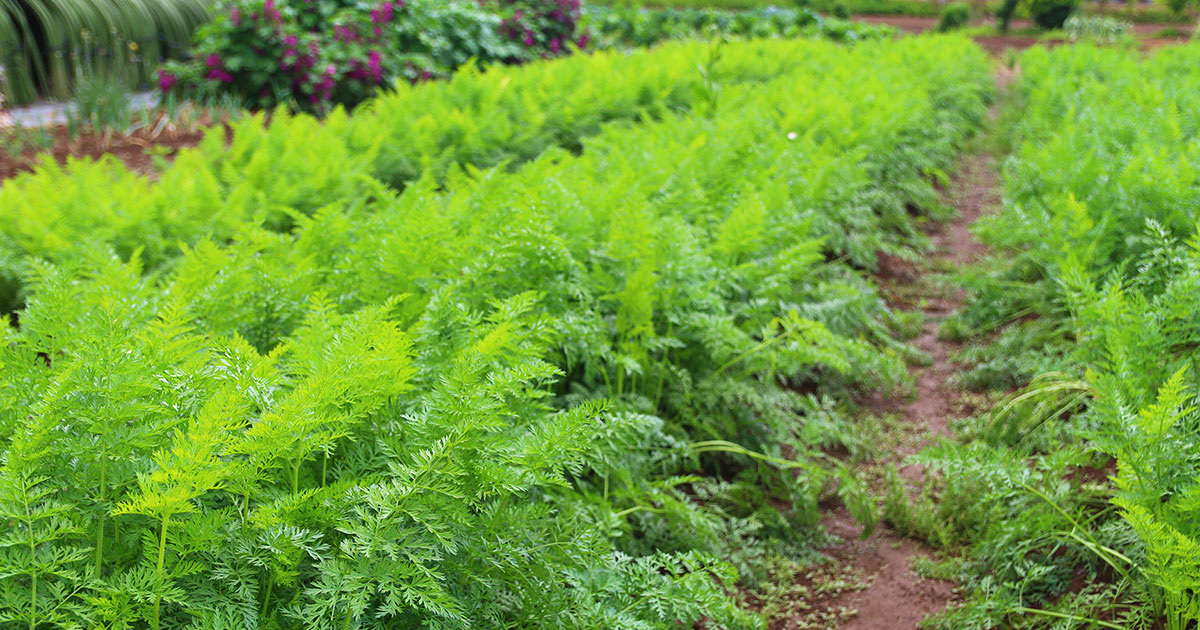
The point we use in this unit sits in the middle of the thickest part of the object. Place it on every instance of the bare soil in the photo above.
(135, 151)
(895, 597)
(998, 43)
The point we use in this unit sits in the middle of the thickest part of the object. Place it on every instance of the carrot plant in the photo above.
(544, 394)
(271, 172)
(1077, 495)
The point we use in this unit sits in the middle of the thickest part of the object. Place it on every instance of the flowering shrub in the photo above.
(542, 25)
(315, 54)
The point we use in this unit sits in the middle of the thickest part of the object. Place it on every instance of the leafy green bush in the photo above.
(955, 15)
(628, 26)
(1099, 29)
(1177, 7)
(316, 55)
(1051, 14)
(486, 399)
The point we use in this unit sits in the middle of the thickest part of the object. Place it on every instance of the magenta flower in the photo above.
(383, 13)
(236, 17)
(166, 80)
(374, 63)
(555, 45)
(291, 40)
(213, 61)
(583, 41)
(220, 75)
(527, 38)
(271, 13)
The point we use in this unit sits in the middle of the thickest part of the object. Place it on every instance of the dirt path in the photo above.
(1149, 35)
(894, 597)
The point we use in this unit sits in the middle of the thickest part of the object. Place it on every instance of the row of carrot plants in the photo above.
(540, 395)
(1080, 495)
(297, 164)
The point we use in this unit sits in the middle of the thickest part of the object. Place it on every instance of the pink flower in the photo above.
(271, 13)
(235, 16)
(213, 61)
(527, 38)
(291, 40)
(374, 63)
(583, 41)
(383, 13)
(220, 75)
(555, 45)
(166, 80)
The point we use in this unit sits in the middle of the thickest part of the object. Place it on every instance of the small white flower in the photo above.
(791, 135)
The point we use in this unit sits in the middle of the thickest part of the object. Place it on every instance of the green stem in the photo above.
(100, 525)
(722, 446)
(639, 508)
(162, 554)
(1108, 555)
(1051, 613)
(33, 598)
(766, 343)
(267, 597)
(296, 477)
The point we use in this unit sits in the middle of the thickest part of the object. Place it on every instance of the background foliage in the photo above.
(47, 45)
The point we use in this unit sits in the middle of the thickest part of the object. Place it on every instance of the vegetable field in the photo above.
(608, 340)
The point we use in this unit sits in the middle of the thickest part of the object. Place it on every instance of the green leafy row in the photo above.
(485, 400)
(297, 164)
(1081, 495)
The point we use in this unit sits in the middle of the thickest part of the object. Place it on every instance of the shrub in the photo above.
(1096, 28)
(624, 26)
(1177, 7)
(1051, 14)
(955, 15)
(549, 26)
(316, 55)
(1004, 14)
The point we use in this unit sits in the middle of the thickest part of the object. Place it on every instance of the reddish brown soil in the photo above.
(896, 597)
(135, 150)
(998, 43)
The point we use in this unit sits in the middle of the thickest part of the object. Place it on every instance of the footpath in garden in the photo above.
(885, 591)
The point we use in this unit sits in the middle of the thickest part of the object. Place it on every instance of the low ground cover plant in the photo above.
(539, 395)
